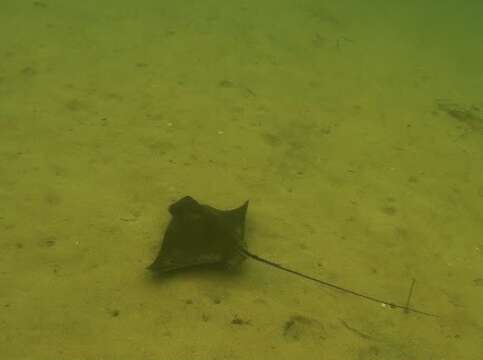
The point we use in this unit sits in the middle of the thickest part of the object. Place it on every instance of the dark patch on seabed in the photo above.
(468, 115)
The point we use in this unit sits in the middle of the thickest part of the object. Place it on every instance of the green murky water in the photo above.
(355, 130)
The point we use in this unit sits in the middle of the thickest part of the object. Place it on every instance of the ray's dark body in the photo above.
(200, 235)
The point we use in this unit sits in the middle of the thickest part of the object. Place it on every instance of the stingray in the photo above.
(201, 235)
